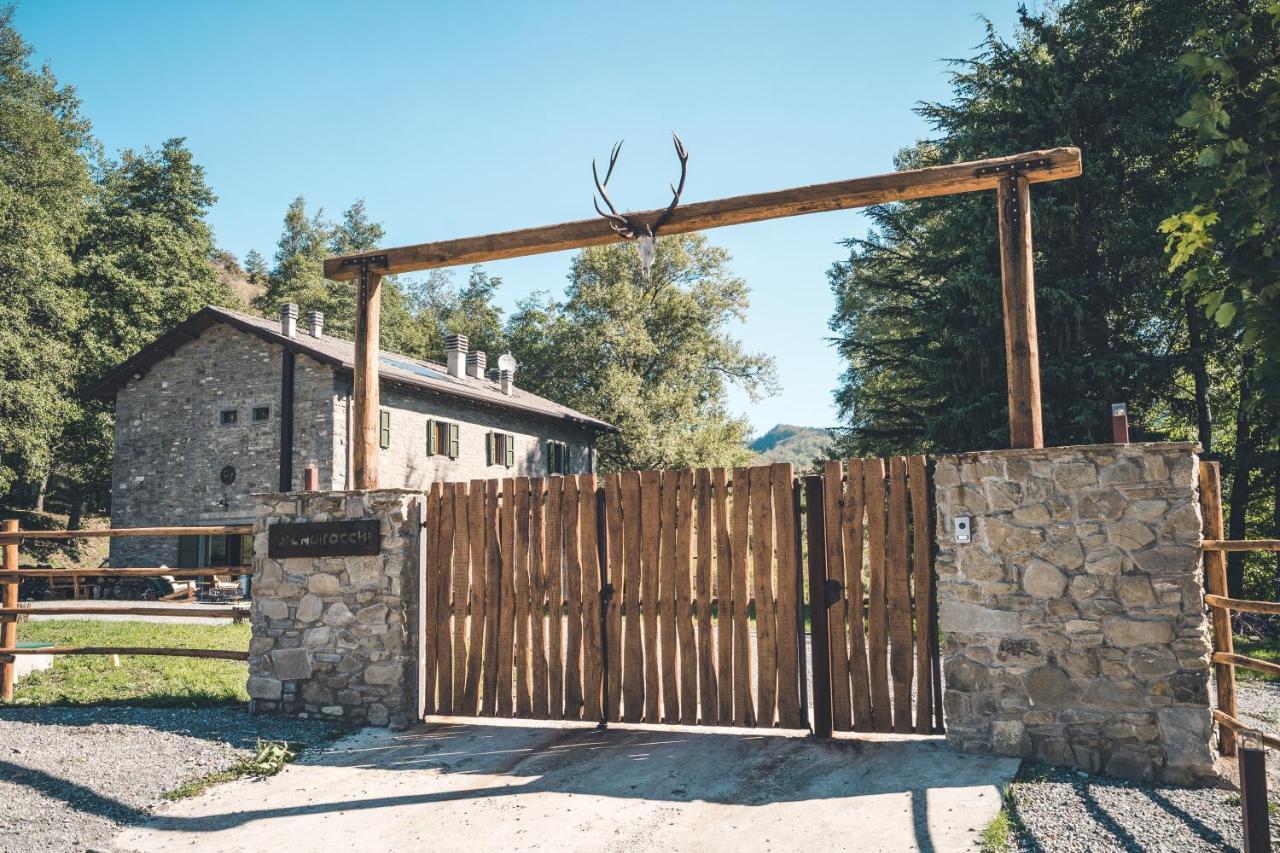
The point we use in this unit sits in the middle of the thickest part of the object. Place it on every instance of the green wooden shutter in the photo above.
(564, 455)
(551, 459)
(384, 433)
(488, 448)
(511, 450)
(453, 441)
(431, 438)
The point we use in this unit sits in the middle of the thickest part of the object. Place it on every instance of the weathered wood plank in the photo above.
(478, 545)
(431, 581)
(461, 591)
(554, 567)
(1018, 295)
(507, 607)
(633, 640)
(723, 596)
(444, 660)
(877, 617)
(898, 597)
(589, 549)
(684, 601)
(615, 575)
(853, 530)
(569, 508)
(650, 601)
(493, 598)
(1215, 580)
(786, 580)
(524, 695)
(708, 689)
(923, 589)
(1049, 165)
(744, 713)
(762, 572)
(538, 598)
(668, 597)
(833, 551)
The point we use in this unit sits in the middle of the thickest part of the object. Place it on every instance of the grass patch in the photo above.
(155, 682)
(1268, 650)
(997, 836)
(270, 759)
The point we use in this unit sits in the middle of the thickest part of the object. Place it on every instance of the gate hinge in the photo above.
(834, 590)
(1015, 168)
(368, 262)
(606, 594)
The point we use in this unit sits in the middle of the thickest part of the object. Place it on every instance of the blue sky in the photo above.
(456, 119)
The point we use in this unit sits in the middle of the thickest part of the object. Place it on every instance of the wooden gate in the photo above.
(537, 590)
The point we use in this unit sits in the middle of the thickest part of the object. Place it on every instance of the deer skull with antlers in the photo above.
(644, 233)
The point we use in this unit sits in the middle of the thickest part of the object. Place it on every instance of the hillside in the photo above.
(798, 445)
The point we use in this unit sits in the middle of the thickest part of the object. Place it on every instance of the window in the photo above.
(500, 449)
(228, 416)
(384, 429)
(442, 439)
(261, 413)
(557, 457)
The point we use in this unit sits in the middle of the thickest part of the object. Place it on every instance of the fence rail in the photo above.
(12, 572)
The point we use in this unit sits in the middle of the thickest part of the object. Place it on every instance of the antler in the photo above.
(623, 224)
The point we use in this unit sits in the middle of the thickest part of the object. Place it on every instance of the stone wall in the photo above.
(1074, 623)
(335, 637)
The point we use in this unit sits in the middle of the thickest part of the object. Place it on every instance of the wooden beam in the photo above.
(1035, 166)
(1272, 607)
(1021, 346)
(12, 534)
(220, 654)
(194, 612)
(208, 571)
(1241, 726)
(1266, 667)
(366, 394)
(1215, 579)
(9, 630)
(1241, 544)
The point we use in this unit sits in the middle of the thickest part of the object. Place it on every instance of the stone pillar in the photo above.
(335, 637)
(1074, 622)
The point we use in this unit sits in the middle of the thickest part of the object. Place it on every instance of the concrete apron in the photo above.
(463, 785)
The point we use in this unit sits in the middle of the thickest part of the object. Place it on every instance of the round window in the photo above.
(228, 475)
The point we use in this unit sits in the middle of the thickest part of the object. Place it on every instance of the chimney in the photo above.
(289, 319)
(455, 349)
(315, 323)
(506, 378)
(476, 364)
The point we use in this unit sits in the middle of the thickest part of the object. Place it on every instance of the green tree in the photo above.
(652, 354)
(297, 271)
(45, 188)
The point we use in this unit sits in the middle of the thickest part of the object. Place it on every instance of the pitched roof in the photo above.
(412, 373)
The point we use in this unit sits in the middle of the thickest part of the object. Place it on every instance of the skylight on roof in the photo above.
(411, 367)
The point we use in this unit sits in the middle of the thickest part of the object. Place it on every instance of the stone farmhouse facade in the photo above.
(228, 405)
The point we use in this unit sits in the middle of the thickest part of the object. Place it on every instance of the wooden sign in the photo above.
(356, 538)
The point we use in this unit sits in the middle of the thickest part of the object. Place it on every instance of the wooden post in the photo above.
(1022, 351)
(815, 521)
(1215, 579)
(367, 400)
(9, 629)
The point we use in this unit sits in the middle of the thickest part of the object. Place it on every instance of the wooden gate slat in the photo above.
(723, 595)
(492, 601)
(743, 706)
(833, 549)
(667, 597)
(922, 587)
(461, 592)
(573, 596)
(431, 581)
(650, 601)
(684, 601)
(615, 574)
(708, 689)
(762, 569)
(478, 545)
(444, 633)
(524, 697)
(507, 607)
(538, 599)
(898, 596)
(633, 640)
(589, 549)
(553, 565)
(877, 618)
(853, 530)
(786, 580)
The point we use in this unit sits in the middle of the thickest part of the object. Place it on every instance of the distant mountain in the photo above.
(798, 445)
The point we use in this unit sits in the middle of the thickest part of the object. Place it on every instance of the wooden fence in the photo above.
(1225, 659)
(12, 573)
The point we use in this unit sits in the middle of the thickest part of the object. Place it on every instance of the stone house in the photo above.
(226, 405)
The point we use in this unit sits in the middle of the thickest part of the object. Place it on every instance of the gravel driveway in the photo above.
(70, 778)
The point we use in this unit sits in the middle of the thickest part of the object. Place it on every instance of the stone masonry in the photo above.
(334, 637)
(1074, 621)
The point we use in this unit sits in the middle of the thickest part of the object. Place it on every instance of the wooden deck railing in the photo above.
(1225, 660)
(12, 573)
